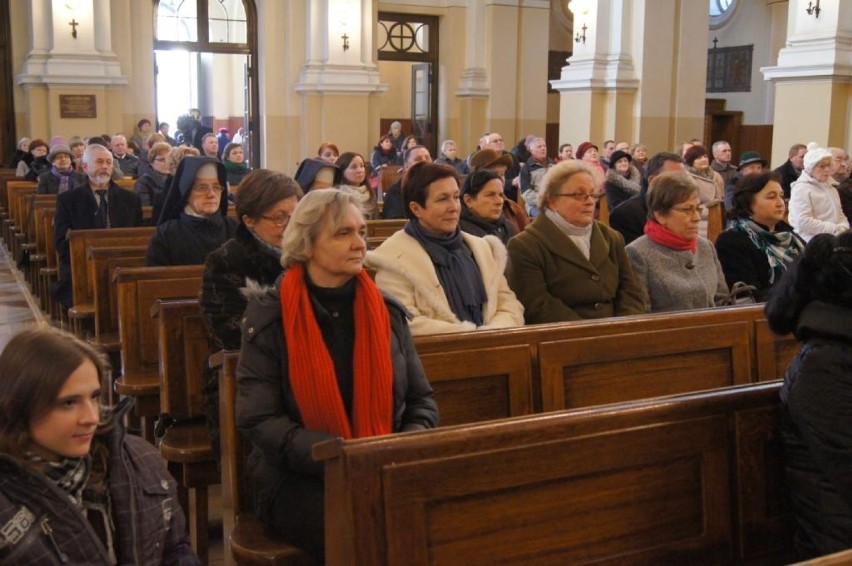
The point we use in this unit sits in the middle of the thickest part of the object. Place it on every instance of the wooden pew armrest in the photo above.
(187, 443)
(86, 310)
(250, 544)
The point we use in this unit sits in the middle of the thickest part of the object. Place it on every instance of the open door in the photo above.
(421, 105)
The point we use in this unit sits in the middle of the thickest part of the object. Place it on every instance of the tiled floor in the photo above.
(18, 310)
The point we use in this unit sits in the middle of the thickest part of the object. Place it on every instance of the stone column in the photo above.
(812, 78)
(339, 80)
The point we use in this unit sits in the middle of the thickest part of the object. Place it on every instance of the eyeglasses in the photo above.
(581, 197)
(279, 221)
(161, 158)
(690, 210)
(204, 189)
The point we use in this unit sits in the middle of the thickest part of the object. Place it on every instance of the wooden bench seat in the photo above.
(683, 479)
(82, 313)
(245, 536)
(138, 289)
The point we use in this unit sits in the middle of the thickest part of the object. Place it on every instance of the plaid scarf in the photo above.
(781, 248)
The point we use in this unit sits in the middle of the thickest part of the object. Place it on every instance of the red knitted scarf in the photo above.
(665, 237)
(312, 375)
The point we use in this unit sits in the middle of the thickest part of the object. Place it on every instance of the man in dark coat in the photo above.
(194, 221)
(393, 207)
(99, 203)
(128, 162)
(790, 170)
(630, 216)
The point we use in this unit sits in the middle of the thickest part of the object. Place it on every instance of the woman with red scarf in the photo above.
(677, 268)
(324, 355)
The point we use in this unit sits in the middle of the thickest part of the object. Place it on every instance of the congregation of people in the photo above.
(494, 239)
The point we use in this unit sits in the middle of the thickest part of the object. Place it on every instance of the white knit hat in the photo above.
(814, 155)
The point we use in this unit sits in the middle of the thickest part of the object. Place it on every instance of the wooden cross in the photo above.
(715, 41)
(74, 24)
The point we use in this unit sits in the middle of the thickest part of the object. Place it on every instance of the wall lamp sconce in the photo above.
(580, 7)
(813, 10)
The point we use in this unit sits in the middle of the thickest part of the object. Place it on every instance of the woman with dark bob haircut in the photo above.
(482, 202)
(677, 268)
(74, 487)
(449, 280)
(353, 175)
(814, 301)
(758, 246)
(324, 355)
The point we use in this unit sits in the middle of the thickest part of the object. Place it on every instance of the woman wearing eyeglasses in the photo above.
(151, 186)
(677, 269)
(194, 220)
(565, 265)
(252, 257)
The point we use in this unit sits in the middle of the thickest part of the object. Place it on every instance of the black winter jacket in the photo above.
(817, 430)
(150, 525)
(267, 413)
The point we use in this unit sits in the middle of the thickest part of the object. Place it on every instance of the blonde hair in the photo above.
(319, 209)
(557, 176)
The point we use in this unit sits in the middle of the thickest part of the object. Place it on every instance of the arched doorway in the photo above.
(205, 58)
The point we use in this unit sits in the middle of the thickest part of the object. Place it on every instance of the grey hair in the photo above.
(717, 144)
(91, 149)
(116, 136)
(534, 139)
(557, 176)
(318, 210)
(446, 144)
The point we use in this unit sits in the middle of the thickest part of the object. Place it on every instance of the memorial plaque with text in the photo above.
(78, 106)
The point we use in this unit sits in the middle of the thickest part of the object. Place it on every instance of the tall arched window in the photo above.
(206, 54)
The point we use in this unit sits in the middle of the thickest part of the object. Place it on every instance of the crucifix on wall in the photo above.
(74, 23)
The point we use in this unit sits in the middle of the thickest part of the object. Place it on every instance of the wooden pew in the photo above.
(245, 537)
(127, 183)
(388, 176)
(685, 479)
(34, 245)
(18, 192)
(603, 214)
(138, 289)
(50, 272)
(715, 220)
(83, 312)
(6, 175)
(185, 445)
(102, 261)
(385, 228)
(490, 374)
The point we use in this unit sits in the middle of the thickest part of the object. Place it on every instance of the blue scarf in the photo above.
(457, 271)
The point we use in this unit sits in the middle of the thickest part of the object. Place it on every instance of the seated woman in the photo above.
(384, 154)
(758, 246)
(815, 206)
(623, 180)
(61, 177)
(37, 163)
(75, 488)
(565, 265)
(639, 153)
(482, 206)
(676, 268)
(449, 281)
(234, 160)
(324, 355)
(353, 174)
(151, 186)
(315, 173)
(328, 151)
(195, 220)
(252, 258)
(814, 301)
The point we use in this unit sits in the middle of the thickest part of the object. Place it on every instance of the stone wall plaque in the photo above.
(78, 106)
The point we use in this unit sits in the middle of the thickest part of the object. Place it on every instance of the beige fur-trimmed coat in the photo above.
(405, 271)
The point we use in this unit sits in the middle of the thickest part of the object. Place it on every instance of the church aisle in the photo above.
(18, 308)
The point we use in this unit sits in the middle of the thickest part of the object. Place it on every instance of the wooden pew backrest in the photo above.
(645, 482)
